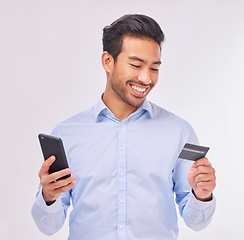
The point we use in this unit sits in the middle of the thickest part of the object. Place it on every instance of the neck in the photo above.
(117, 106)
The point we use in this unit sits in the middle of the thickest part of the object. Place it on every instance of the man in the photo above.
(123, 153)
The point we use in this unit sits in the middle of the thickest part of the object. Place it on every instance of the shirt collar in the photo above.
(147, 106)
(101, 109)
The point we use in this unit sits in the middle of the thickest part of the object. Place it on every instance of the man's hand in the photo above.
(51, 188)
(202, 179)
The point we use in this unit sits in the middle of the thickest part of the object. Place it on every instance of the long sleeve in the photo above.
(196, 214)
(124, 170)
(49, 219)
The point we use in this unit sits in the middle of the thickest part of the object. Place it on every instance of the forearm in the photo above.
(198, 214)
(49, 219)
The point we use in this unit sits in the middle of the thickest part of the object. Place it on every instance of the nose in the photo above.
(144, 77)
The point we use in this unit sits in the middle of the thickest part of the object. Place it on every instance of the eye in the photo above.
(154, 69)
(135, 66)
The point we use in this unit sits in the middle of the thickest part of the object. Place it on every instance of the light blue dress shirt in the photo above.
(128, 177)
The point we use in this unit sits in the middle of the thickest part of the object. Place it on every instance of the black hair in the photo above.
(136, 25)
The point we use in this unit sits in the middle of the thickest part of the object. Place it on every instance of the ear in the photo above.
(107, 62)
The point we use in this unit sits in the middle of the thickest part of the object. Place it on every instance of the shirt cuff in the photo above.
(54, 208)
(198, 204)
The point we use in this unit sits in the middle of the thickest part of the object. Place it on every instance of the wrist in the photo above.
(205, 199)
(49, 200)
(49, 203)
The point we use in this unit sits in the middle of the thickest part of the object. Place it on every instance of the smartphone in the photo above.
(51, 145)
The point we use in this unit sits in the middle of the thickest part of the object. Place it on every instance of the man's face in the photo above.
(135, 72)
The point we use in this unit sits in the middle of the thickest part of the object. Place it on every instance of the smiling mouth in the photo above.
(139, 90)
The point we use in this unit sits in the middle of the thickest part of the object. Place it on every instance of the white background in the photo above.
(50, 69)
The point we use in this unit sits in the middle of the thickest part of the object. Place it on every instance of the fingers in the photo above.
(52, 187)
(207, 186)
(59, 186)
(57, 175)
(49, 182)
(46, 165)
(44, 174)
(205, 182)
(65, 187)
(203, 170)
(202, 162)
(204, 178)
(50, 195)
(203, 167)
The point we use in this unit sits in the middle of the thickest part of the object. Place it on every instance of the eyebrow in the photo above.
(141, 60)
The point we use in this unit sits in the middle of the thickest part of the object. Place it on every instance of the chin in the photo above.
(136, 104)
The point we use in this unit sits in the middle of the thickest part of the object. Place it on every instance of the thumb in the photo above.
(46, 165)
(191, 177)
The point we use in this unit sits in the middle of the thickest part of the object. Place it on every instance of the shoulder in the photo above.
(160, 113)
(85, 116)
(166, 119)
(81, 119)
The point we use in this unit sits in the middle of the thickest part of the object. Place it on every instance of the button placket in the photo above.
(122, 182)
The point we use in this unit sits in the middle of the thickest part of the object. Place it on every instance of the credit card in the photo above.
(193, 152)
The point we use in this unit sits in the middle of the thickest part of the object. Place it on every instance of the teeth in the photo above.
(139, 89)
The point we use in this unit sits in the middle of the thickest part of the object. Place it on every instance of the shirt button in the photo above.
(121, 227)
(121, 148)
(189, 216)
(122, 174)
(122, 124)
(122, 200)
